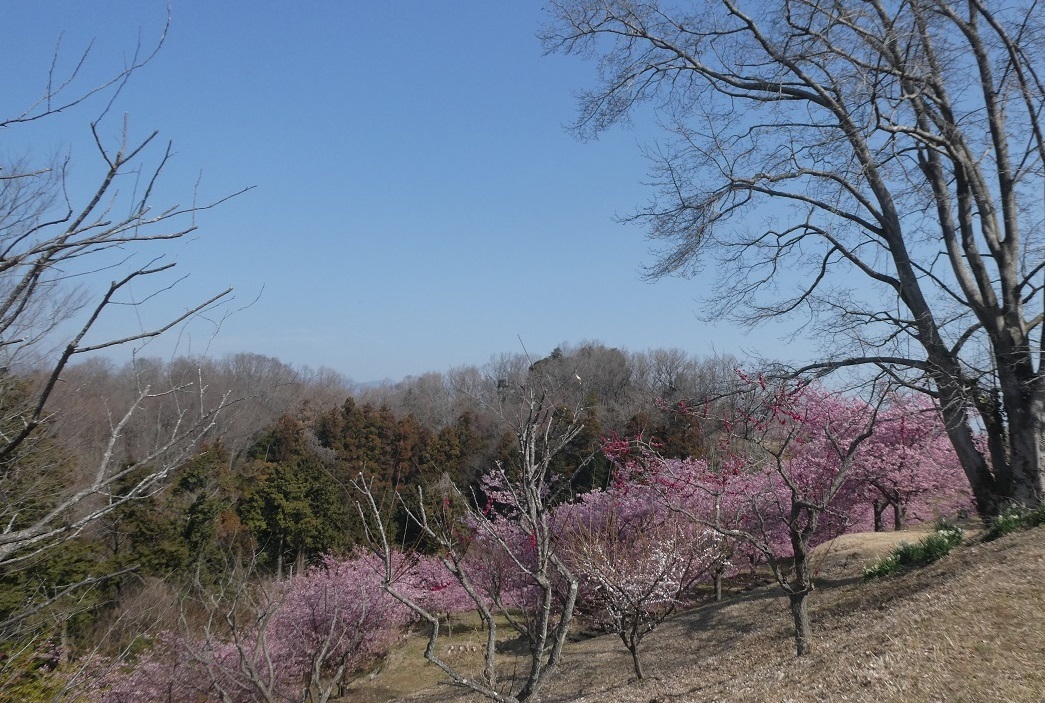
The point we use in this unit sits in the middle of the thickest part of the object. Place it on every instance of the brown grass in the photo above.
(969, 628)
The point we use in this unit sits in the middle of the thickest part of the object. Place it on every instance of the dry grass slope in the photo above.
(970, 628)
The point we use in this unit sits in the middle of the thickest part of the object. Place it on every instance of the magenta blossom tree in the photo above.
(782, 480)
(909, 467)
(284, 642)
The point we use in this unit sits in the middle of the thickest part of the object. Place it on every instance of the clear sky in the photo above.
(417, 205)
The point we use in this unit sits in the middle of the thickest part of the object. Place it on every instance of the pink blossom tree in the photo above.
(506, 561)
(283, 642)
(909, 465)
(782, 482)
(436, 589)
(333, 621)
(166, 672)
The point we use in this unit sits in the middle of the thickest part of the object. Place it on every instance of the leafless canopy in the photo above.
(54, 249)
(544, 424)
(874, 168)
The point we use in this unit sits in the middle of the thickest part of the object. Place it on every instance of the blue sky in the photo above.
(417, 204)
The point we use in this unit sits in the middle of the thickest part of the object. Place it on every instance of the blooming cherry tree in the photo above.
(281, 642)
(909, 465)
(781, 482)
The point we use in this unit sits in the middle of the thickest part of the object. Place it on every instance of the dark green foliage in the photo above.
(296, 513)
(37, 604)
(363, 437)
(175, 530)
(31, 585)
(458, 451)
(674, 430)
(48, 606)
(581, 462)
(145, 535)
(293, 506)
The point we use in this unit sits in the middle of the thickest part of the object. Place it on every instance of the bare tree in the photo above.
(876, 167)
(53, 255)
(543, 428)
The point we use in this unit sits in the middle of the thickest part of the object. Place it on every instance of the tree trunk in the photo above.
(631, 643)
(985, 489)
(899, 516)
(636, 664)
(800, 615)
(801, 586)
(1022, 481)
(879, 510)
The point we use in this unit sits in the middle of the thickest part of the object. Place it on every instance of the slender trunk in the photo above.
(800, 587)
(539, 636)
(800, 614)
(65, 648)
(562, 630)
(899, 516)
(630, 637)
(718, 586)
(636, 664)
(879, 510)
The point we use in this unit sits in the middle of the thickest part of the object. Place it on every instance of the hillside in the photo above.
(968, 628)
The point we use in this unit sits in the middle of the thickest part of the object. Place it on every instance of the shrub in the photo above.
(1009, 520)
(1014, 518)
(925, 551)
(936, 546)
(882, 567)
(1036, 517)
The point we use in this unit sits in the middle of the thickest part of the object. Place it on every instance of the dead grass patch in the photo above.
(406, 671)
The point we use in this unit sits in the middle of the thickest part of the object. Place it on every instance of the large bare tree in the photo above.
(874, 167)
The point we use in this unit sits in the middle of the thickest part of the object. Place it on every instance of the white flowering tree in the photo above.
(637, 560)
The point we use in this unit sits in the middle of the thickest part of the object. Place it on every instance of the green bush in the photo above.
(910, 555)
(882, 567)
(1036, 517)
(935, 546)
